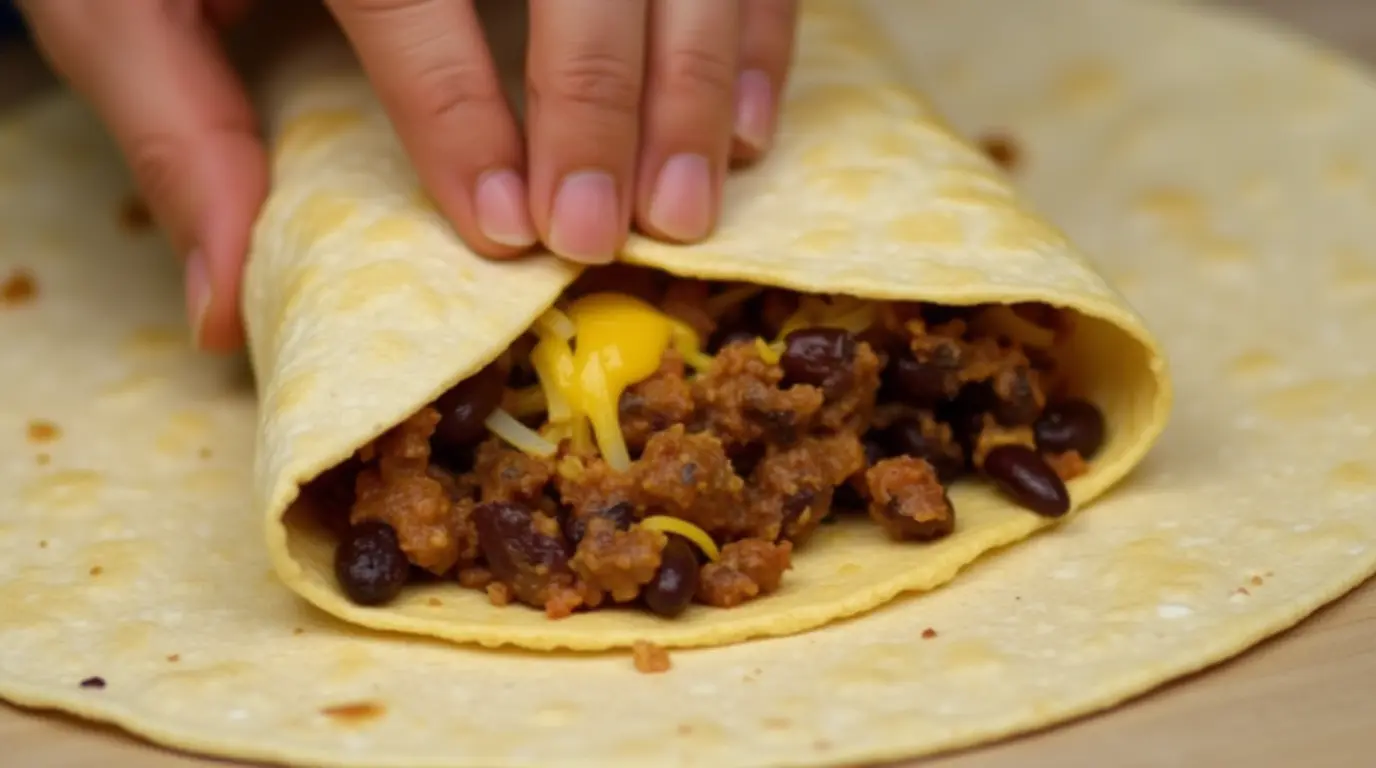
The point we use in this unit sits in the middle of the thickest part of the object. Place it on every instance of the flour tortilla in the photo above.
(1222, 176)
(363, 306)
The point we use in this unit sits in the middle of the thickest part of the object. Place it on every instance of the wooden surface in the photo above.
(1306, 698)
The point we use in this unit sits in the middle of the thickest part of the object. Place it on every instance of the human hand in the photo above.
(634, 110)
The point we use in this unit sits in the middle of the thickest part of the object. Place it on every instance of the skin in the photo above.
(635, 109)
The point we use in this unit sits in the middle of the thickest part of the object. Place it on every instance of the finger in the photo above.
(585, 72)
(767, 32)
(430, 65)
(155, 74)
(688, 116)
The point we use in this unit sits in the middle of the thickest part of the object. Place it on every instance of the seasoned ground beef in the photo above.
(687, 301)
(791, 488)
(657, 403)
(739, 399)
(506, 474)
(850, 407)
(747, 569)
(689, 476)
(396, 488)
(615, 562)
(908, 501)
(1068, 465)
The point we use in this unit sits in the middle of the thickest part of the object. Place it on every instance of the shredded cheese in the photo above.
(687, 530)
(524, 403)
(521, 437)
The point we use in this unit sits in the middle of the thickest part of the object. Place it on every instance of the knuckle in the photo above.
(699, 69)
(597, 81)
(446, 88)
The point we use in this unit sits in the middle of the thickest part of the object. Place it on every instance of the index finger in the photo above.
(430, 65)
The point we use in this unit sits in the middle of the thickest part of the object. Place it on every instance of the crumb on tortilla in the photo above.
(43, 431)
(96, 570)
(19, 288)
(650, 658)
(93, 682)
(174, 658)
(928, 633)
(1001, 148)
(354, 712)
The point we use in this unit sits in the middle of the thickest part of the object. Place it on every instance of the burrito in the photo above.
(880, 367)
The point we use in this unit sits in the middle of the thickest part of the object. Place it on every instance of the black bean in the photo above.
(1021, 473)
(369, 564)
(1071, 425)
(518, 554)
(465, 407)
(918, 382)
(622, 515)
(1017, 404)
(744, 458)
(906, 437)
(875, 451)
(821, 357)
(673, 587)
(965, 413)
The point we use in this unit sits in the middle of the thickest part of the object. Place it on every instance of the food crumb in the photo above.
(1256, 581)
(134, 215)
(928, 633)
(1241, 591)
(96, 570)
(93, 682)
(41, 431)
(355, 712)
(42, 459)
(498, 593)
(174, 658)
(434, 601)
(18, 288)
(650, 658)
(1001, 149)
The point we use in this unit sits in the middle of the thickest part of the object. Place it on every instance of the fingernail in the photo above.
(586, 222)
(197, 295)
(754, 109)
(681, 205)
(501, 208)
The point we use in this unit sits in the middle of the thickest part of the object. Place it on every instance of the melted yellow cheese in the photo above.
(616, 341)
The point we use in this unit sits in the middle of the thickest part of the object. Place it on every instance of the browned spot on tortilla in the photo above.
(355, 712)
(928, 633)
(96, 570)
(1001, 148)
(43, 544)
(19, 288)
(1241, 591)
(298, 631)
(650, 658)
(776, 723)
(205, 453)
(685, 730)
(821, 745)
(41, 431)
(174, 657)
(42, 459)
(434, 601)
(1257, 581)
(134, 215)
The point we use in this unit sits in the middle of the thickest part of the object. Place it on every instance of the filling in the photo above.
(658, 441)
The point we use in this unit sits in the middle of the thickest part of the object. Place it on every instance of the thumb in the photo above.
(155, 73)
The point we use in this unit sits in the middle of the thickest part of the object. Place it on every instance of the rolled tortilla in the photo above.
(362, 306)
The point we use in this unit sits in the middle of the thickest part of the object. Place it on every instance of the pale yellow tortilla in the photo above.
(1251, 258)
(363, 306)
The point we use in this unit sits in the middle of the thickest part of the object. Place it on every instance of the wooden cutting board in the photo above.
(1307, 697)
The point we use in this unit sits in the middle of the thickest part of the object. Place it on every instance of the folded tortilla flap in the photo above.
(363, 306)
(361, 303)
